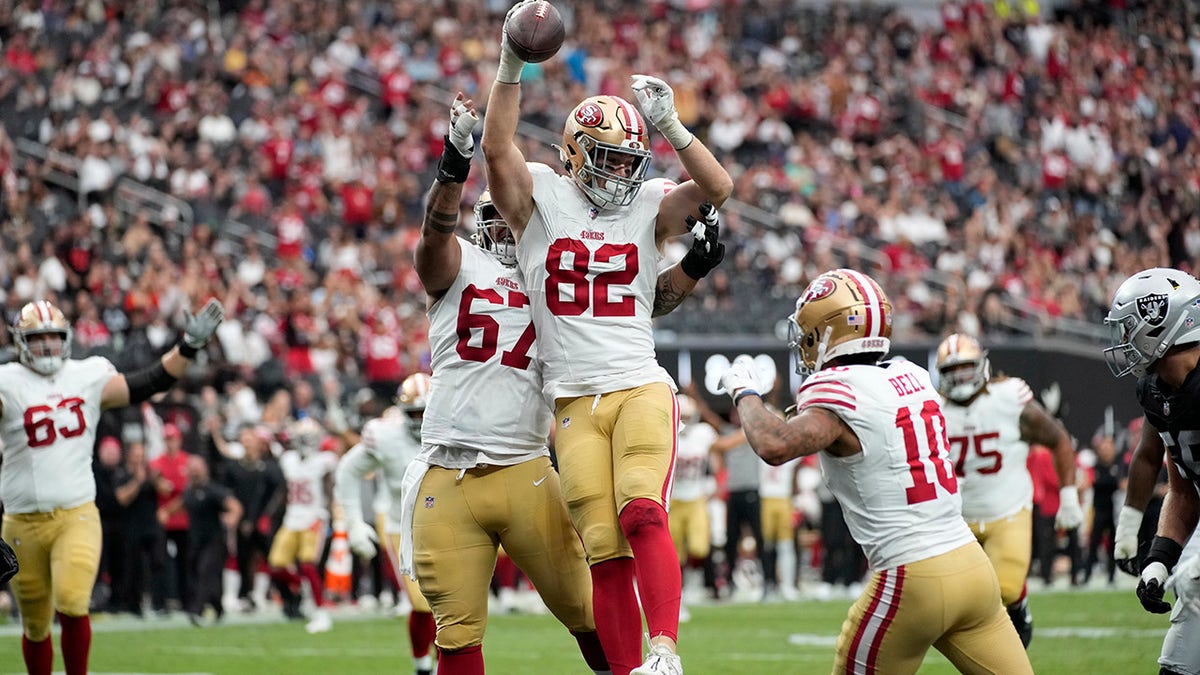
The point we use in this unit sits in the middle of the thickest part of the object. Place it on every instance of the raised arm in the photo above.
(508, 177)
(198, 329)
(709, 181)
(438, 255)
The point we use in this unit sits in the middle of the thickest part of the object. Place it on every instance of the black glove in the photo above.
(1151, 586)
(706, 252)
(8, 562)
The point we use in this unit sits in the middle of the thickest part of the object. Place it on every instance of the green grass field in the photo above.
(1083, 632)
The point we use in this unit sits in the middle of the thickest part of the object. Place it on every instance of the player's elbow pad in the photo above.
(147, 382)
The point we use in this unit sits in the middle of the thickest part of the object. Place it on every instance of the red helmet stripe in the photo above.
(874, 316)
(40, 305)
(634, 120)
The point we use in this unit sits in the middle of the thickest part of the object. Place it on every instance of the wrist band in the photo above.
(1164, 550)
(187, 351)
(453, 167)
(693, 266)
(743, 394)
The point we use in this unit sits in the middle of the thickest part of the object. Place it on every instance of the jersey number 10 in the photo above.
(934, 442)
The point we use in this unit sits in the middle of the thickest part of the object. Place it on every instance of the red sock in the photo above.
(76, 642)
(466, 661)
(309, 572)
(39, 656)
(644, 523)
(285, 577)
(618, 620)
(593, 652)
(421, 631)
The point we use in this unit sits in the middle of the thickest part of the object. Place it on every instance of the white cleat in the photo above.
(661, 661)
(321, 622)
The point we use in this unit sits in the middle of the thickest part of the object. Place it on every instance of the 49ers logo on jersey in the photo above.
(818, 289)
(1153, 308)
(589, 115)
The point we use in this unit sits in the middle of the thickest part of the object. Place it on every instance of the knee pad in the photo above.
(36, 631)
(641, 515)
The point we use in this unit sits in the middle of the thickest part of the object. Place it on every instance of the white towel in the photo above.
(413, 475)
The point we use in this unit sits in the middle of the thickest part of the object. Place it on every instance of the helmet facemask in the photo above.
(963, 368)
(492, 234)
(606, 150)
(42, 337)
(1151, 312)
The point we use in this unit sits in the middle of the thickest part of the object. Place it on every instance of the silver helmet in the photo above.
(1151, 312)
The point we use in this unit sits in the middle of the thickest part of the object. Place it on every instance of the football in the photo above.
(535, 31)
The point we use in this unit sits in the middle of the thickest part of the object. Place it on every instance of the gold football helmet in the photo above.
(46, 354)
(962, 366)
(305, 436)
(412, 397)
(689, 412)
(606, 150)
(492, 233)
(842, 312)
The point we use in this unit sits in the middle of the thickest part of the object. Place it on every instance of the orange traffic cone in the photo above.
(340, 564)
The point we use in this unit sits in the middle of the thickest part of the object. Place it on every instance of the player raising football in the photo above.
(878, 430)
(588, 244)
(49, 407)
(483, 478)
(990, 423)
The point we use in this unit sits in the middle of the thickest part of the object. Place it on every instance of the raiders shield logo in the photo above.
(1153, 308)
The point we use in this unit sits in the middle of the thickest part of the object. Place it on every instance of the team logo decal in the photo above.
(566, 422)
(429, 502)
(1167, 408)
(589, 115)
(818, 289)
(1153, 308)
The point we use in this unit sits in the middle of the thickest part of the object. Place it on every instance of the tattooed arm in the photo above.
(672, 287)
(438, 255)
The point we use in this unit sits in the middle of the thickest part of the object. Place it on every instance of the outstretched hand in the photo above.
(198, 328)
(463, 120)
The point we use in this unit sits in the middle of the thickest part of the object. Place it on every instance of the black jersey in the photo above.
(1176, 416)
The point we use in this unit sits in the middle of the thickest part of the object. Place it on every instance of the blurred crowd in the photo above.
(997, 162)
(986, 165)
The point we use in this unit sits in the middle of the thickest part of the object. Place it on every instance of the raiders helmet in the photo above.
(492, 233)
(602, 133)
(842, 312)
(1151, 312)
(42, 318)
(962, 366)
(412, 397)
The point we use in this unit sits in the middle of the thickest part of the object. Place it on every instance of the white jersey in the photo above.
(387, 446)
(48, 426)
(988, 453)
(899, 495)
(486, 391)
(590, 274)
(305, 478)
(691, 461)
(777, 481)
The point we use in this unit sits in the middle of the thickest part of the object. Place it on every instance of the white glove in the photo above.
(1125, 544)
(741, 376)
(1070, 514)
(362, 539)
(462, 123)
(657, 101)
(198, 328)
(509, 70)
